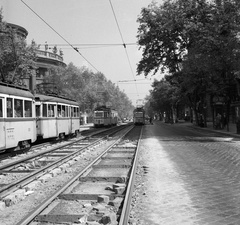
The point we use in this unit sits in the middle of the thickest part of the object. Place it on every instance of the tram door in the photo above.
(2, 127)
(71, 121)
(71, 113)
(37, 107)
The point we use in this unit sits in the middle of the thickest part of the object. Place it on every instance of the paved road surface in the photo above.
(190, 177)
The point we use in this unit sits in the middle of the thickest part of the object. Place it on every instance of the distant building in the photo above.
(45, 59)
(21, 31)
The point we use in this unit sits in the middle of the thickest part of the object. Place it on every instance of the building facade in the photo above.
(44, 61)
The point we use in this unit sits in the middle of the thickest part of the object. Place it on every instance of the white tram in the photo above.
(25, 117)
(56, 117)
(17, 117)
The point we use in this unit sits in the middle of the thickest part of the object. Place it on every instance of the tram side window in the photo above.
(9, 107)
(105, 114)
(77, 112)
(18, 108)
(50, 110)
(66, 111)
(37, 110)
(72, 111)
(1, 110)
(63, 111)
(28, 108)
(44, 112)
(59, 111)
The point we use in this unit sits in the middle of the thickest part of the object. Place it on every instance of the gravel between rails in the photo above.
(13, 214)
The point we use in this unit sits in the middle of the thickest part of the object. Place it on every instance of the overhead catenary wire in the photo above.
(135, 83)
(78, 46)
(124, 44)
(88, 46)
(76, 49)
(131, 80)
(94, 44)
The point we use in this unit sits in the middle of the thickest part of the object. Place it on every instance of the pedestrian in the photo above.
(201, 122)
(218, 121)
(150, 120)
(224, 120)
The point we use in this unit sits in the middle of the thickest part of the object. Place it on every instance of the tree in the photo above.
(196, 41)
(17, 60)
(164, 99)
(88, 89)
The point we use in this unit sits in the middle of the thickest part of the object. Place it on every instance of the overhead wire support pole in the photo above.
(124, 44)
(60, 36)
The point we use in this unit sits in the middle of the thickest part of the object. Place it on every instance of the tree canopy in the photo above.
(196, 42)
(89, 89)
(17, 60)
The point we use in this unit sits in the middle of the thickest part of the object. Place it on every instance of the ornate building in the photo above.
(20, 31)
(45, 59)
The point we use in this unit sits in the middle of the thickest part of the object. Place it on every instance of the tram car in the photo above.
(56, 117)
(17, 117)
(139, 116)
(105, 117)
(25, 117)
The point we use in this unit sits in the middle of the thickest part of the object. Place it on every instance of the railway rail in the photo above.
(20, 173)
(4, 155)
(100, 193)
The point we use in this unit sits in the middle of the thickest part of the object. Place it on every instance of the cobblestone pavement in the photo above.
(190, 177)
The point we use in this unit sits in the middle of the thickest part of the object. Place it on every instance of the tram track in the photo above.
(46, 143)
(9, 157)
(96, 192)
(20, 173)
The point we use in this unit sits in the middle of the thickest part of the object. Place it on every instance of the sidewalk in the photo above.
(187, 181)
(231, 132)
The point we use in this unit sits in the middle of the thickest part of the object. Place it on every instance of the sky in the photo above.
(89, 25)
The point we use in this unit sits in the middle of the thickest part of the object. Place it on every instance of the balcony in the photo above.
(41, 53)
(49, 58)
